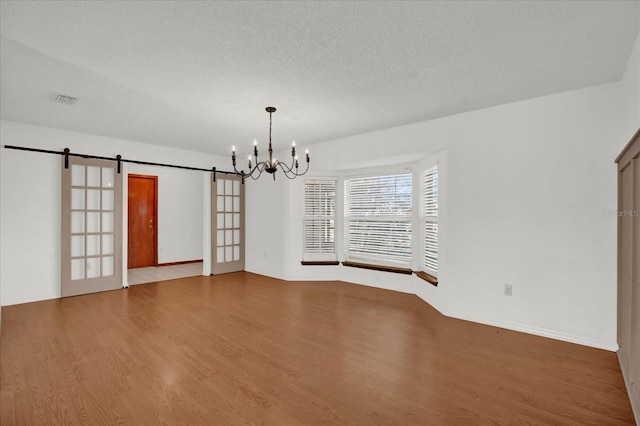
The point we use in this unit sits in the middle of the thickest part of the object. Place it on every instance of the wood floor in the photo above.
(245, 349)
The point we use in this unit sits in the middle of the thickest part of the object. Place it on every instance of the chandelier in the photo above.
(270, 165)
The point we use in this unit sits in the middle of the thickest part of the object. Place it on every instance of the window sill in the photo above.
(378, 267)
(319, 262)
(427, 277)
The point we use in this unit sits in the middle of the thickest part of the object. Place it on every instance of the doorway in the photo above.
(142, 221)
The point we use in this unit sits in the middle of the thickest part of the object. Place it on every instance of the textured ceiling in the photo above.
(197, 75)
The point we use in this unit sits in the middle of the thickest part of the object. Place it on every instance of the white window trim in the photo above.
(424, 220)
(438, 159)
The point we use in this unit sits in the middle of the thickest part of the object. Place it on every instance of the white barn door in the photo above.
(91, 251)
(227, 225)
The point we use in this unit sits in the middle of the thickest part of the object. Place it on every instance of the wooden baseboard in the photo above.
(184, 262)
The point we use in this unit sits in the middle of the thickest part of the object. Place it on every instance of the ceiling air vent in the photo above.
(67, 100)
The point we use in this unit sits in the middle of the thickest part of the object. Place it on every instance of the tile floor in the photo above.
(163, 273)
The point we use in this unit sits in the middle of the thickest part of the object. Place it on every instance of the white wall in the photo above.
(30, 204)
(528, 183)
(266, 226)
(29, 225)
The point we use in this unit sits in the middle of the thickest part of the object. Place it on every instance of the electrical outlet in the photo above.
(508, 290)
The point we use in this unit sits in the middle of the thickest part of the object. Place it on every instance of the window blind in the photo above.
(430, 217)
(319, 219)
(378, 213)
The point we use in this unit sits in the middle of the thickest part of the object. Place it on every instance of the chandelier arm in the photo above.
(297, 173)
(292, 177)
(305, 171)
(293, 162)
(241, 172)
(260, 168)
(253, 171)
(291, 170)
(285, 168)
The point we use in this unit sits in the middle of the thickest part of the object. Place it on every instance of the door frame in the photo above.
(155, 214)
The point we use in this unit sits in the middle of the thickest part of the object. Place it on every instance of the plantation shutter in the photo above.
(378, 213)
(319, 220)
(430, 211)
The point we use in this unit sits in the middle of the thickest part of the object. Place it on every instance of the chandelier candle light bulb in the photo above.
(233, 155)
(271, 164)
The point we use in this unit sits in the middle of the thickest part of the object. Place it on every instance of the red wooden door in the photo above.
(142, 235)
